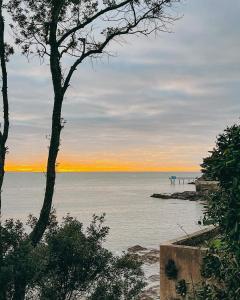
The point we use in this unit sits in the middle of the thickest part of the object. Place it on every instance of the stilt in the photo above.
(181, 179)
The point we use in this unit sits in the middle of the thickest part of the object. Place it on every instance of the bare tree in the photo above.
(67, 32)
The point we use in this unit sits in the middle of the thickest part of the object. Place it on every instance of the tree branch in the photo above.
(90, 20)
(126, 30)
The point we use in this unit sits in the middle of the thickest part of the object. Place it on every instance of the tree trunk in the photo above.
(4, 133)
(42, 223)
(56, 73)
(40, 227)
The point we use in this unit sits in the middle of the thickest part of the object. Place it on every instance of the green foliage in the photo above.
(222, 263)
(67, 264)
(222, 270)
(216, 244)
(223, 210)
(223, 207)
(17, 257)
(224, 162)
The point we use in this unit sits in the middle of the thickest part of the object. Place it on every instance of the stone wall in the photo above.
(205, 187)
(187, 260)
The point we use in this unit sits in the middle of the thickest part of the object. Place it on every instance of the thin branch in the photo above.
(90, 20)
(110, 37)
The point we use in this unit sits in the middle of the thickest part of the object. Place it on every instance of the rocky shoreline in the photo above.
(187, 195)
(150, 260)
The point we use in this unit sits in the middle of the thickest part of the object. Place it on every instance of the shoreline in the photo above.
(151, 268)
(186, 195)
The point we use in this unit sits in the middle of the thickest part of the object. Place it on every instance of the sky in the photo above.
(157, 104)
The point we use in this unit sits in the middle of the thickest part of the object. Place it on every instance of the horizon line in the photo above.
(69, 167)
(105, 171)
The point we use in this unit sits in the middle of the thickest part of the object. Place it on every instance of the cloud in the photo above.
(162, 99)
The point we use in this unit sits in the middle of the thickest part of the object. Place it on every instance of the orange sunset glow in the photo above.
(178, 158)
(102, 166)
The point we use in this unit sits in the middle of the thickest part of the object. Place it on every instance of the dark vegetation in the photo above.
(171, 269)
(222, 263)
(68, 263)
(224, 162)
(5, 52)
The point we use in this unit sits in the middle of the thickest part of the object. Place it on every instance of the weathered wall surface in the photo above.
(188, 261)
(205, 187)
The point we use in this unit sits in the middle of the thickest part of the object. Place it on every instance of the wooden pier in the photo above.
(182, 180)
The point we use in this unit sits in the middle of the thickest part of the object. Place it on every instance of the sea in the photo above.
(133, 216)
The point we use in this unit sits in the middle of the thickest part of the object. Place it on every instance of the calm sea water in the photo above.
(133, 216)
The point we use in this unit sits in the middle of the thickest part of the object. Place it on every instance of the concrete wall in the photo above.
(205, 187)
(188, 261)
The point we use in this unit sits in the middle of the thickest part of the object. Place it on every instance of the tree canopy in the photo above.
(68, 263)
(223, 164)
(222, 264)
(82, 29)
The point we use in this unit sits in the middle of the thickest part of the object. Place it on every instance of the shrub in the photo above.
(222, 263)
(224, 162)
(69, 263)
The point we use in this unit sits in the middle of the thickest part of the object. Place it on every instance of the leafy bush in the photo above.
(223, 207)
(222, 263)
(69, 263)
(224, 162)
(222, 271)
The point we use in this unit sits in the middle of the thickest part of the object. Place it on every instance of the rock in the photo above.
(187, 195)
(150, 257)
(161, 196)
(151, 294)
(136, 248)
(145, 297)
(206, 187)
(154, 278)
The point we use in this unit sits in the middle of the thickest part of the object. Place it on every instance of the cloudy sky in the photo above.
(158, 104)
